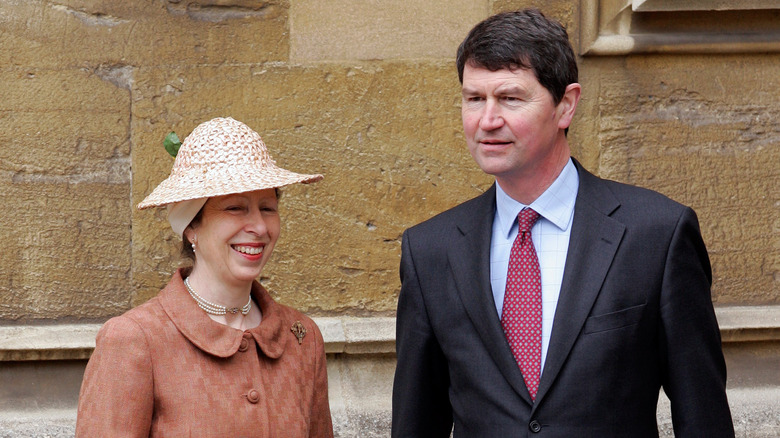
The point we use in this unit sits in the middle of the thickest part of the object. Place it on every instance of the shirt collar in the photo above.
(215, 338)
(556, 204)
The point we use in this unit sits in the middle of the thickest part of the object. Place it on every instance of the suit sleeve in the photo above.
(117, 395)
(421, 406)
(695, 371)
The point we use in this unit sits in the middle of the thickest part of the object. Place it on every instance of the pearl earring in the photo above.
(193, 243)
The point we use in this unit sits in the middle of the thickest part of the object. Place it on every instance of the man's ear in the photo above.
(568, 105)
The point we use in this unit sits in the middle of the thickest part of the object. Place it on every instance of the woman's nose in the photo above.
(256, 223)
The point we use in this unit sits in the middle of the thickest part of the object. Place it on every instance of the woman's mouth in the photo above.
(249, 250)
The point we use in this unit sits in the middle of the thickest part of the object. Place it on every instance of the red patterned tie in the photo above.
(521, 316)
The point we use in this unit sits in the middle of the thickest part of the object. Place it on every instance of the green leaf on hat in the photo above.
(172, 143)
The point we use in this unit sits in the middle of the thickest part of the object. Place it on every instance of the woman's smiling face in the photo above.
(235, 236)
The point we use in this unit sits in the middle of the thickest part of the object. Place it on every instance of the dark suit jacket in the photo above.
(634, 315)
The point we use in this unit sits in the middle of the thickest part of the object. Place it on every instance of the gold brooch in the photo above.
(299, 331)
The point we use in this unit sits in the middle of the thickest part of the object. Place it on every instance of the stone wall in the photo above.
(365, 93)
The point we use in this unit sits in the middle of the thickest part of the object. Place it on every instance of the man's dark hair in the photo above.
(523, 39)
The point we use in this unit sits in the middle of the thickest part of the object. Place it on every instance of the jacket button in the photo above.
(253, 396)
(244, 346)
(535, 426)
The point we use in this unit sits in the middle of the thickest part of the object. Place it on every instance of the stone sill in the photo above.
(749, 323)
(347, 335)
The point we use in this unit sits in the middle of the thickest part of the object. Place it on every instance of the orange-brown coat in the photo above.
(166, 369)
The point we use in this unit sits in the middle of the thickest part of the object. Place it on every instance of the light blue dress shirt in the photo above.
(550, 235)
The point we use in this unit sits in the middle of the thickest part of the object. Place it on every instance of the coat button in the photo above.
(535, 426)
(244, 346)
(253, 396)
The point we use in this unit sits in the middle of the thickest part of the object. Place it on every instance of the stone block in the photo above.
(361, 367)
(360, 391)
(83, 33)
(391, 29)
(707, 136)
(50, 423)
(565, 11)
(44, 385)
(64, 185)
(387, 137)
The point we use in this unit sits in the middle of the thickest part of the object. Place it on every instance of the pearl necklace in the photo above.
(216, 309)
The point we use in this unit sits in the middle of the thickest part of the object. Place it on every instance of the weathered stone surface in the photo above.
(360, 390)
(361, 366)
(79, 33)
(709, 138)
(565, 11)
(64, 188)
(40, 385)
(360, 394)
(387, 137)
(51, 423)
(386, 134)
(390, 29)
(367, 94)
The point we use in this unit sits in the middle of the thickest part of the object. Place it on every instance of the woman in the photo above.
(212, 354)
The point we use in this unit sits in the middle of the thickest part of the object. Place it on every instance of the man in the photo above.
(570, 326)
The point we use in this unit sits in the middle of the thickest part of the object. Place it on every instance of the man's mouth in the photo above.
(494, 142)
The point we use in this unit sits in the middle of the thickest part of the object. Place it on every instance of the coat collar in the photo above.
(595, 237)
(215, 338)
(594, 241)
(472, 280)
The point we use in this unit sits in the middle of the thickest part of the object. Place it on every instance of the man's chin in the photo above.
(492, 166)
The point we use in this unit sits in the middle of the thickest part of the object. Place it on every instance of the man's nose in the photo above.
(491, 117)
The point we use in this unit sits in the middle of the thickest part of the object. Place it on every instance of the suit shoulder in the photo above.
(628, 192)
(645, 203)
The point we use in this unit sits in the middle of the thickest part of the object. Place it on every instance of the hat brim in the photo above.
(222, 180)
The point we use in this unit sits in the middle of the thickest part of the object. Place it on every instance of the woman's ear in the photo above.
(189, 234)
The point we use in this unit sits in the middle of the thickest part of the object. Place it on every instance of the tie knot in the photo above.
(526, 219)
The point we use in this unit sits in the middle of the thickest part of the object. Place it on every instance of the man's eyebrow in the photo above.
(510, 89)
(468, 90)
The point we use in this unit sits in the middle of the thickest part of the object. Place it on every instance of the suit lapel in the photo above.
(593, 242)
(469, 259)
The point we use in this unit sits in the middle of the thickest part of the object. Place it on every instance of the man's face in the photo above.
(512, 127)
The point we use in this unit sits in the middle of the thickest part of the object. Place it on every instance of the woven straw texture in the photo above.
(221, 157)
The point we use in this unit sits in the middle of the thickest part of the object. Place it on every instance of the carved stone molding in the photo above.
(347, 335)
(619, 27)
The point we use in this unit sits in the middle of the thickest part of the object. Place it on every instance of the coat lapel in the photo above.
(469, 259)
(594, 240)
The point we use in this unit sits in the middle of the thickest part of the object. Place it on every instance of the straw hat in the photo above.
(220, 157)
